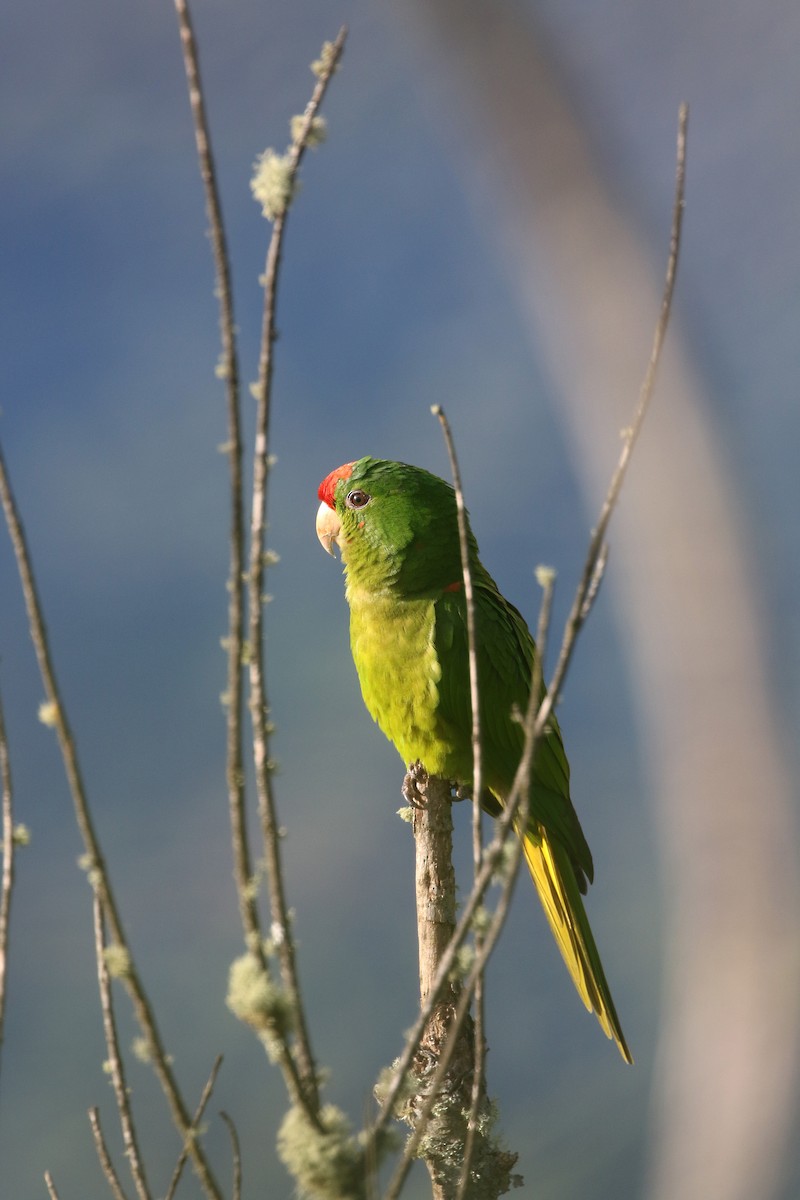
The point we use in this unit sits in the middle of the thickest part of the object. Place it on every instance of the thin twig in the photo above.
(51, 1187)
(307, 1086)
(597, 553)
(108, 1168)
(479, 1064)
(191, 1135)
(9, 848)
(93, 853)
(229, 363)
(478, 1090)
(472, 638)
(236, 1190)
(115, 1063)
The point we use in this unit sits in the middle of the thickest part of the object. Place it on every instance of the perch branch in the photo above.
(515, 813)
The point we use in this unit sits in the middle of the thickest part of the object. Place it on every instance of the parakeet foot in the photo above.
(416, 778)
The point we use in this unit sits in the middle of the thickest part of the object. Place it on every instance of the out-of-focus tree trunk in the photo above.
(726, 1069)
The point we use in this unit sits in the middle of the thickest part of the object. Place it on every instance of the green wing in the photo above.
(505, 665)
(555, 848)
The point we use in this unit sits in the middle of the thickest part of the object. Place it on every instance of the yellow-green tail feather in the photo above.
(555, 882)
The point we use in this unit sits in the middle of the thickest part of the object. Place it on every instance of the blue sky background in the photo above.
(392, 298)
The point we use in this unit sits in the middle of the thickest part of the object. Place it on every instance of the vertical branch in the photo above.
(436, 920)
(7, 885)
(259, 705)
(443, 1063)
(230, 370)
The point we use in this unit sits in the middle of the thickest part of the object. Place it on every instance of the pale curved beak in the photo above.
(328, 527)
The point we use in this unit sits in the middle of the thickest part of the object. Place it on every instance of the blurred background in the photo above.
(485, 228)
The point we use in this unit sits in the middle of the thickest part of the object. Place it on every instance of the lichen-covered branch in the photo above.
(440, 1105)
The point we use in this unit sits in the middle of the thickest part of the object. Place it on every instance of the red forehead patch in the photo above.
(328, 485)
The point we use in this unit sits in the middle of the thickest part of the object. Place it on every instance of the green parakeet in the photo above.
(397, 529)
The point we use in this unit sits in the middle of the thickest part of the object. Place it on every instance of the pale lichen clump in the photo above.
(117, 960)
(322, 65)
(20, 835)
(273, 183)
(328, 1163)
(545, 576)
(140, 1048)
(317, 130)
(386, 1081)
(262, 1004)
(48, 713)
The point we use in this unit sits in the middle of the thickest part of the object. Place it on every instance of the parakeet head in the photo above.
(396, 526)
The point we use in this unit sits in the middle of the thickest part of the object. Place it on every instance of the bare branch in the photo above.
(192, 1133)
(112, 1179)
(7, 885)
(236, 1191)
(51, 1187)
(597, 553)
(479, 1070)
(472, 638)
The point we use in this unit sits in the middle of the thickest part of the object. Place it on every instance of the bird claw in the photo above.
(416, 778)
(460, 791)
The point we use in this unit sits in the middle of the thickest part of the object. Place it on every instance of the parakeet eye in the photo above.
(357, 499)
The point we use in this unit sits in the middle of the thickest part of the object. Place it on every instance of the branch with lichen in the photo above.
(446, 1106)
(274, 1010)
(315, 1143)
(53, 713)
(274, 187)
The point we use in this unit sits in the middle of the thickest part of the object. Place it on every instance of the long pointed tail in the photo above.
(558, 891)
